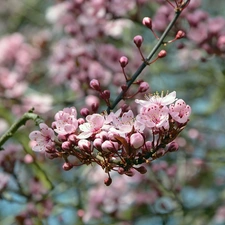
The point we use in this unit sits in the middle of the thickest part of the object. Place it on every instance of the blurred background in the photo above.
(49, 52)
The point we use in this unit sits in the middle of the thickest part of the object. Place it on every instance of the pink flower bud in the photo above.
(136, 140)
(72, 138)
(106, 94)
(95, 106)
(144, 86)
(108, 181)
(84, 145)
(162, 54)
(107, 146)
(94, 84)
(98, 143)
(180, 34)
(138, 40)
(123, 61)
(147, 21)
(84, 112)
(66, 145)
(62, 137)
(80, 121)
(173, 147)
(67, 166)
(148, 145)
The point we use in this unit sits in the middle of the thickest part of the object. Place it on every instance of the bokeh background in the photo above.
(49, 52)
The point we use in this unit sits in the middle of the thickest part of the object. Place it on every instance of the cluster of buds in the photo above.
(117, 141)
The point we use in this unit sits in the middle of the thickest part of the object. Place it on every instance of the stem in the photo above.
(145, 63)
(19, 123)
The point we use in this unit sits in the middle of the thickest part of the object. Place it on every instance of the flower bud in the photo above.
(95, 106)
(173, 147)
(94, 84)
(136, 140)
(138, 40)
(80, 121)
(180, 34)
(66, 145)
(148, 145)
(144, 86)
(97, 143)
(84, 112)
(84, 145)
(67, 166)
(107, 146)
(72, 138)
(106, 94)
(108, 181)
(62, 137)
(123, 61)
(147, 21)
(162, 54)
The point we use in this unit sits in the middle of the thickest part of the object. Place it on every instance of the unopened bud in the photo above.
(173, 147)
(108, 181)
(94, 84)
(67, 166)
(84, 112)
(97, 143)
(107, 146)
(66, 145)
(95, 106)
(180, 34)
(148, 145)
(106, 94)
(138, 40)
(162, 54)
(123, 61)
(147, 21)
(84, 145)
(144, 86)
(136, 140)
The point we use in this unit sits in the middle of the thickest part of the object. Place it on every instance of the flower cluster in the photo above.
(116, 141)
(205, 31)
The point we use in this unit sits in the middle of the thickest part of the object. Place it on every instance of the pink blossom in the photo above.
(158, 100)
(124, 124)
(42, 103)
(43, 139)
(179, 111)
(55, 13)
(93, 125)
(66, 121)
(154, 117)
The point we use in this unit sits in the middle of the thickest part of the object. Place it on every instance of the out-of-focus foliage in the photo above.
(48, 55)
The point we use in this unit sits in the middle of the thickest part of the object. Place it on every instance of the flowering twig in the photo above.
(178, 11)
(20, 122)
